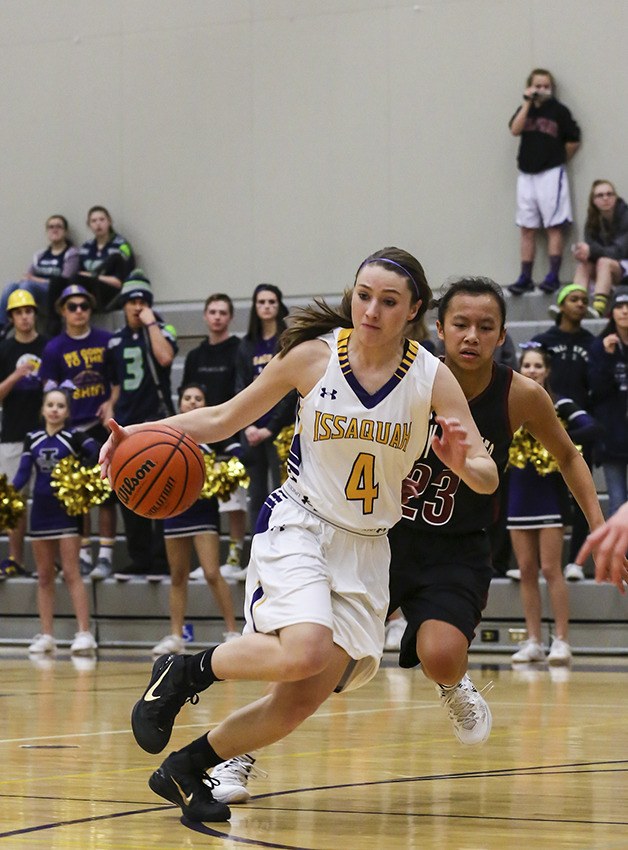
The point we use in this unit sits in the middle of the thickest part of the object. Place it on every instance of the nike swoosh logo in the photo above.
(201, 663)
(150, 695)
(187, 799)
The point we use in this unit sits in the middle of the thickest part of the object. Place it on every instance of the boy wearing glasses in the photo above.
(549, 137)
(75, 360)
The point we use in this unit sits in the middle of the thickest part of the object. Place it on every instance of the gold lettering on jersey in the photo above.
(329, 426)
(86, 356)
(93, 355)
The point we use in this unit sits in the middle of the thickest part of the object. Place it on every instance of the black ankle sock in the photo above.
(199, 669)
(526, 270)
(202, 753)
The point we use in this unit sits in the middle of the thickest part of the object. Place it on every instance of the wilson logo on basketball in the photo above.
(126, 489)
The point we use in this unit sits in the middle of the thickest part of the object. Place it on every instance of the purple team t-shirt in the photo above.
(78, 365)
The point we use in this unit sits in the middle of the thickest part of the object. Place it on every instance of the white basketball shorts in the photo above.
(543, 199)
(303, 570)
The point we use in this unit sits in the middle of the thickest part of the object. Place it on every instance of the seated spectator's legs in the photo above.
(145, 543)
(615, 475)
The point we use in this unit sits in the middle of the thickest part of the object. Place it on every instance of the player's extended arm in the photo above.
(610, 544)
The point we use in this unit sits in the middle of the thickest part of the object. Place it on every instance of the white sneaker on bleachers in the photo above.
(573, 572)
(560, 653)
(170, 645)
(530, 650)
(84, 643)
(42, 644)
(233, 573)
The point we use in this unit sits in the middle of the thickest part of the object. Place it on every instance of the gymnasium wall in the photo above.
(236, 141)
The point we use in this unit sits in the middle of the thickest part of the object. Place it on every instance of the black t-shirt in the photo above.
(22, 406)
(446, 504)
(547, 129)
(214, 366)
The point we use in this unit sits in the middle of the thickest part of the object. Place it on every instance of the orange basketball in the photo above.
(157, 472)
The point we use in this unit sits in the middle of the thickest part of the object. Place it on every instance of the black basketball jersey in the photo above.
(446, 505)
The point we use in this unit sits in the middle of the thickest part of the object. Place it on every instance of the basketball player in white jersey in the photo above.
(317, 583)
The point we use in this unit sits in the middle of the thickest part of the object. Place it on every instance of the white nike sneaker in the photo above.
(233, 777)
(468, 711)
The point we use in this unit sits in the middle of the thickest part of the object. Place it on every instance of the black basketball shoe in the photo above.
(181, 782)
(153, 716)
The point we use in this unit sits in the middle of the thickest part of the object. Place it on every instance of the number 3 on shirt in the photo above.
(361, 485)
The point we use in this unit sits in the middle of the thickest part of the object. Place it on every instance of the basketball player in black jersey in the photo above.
(441, 562)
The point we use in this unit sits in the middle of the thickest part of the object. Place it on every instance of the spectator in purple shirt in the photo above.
(75, 360)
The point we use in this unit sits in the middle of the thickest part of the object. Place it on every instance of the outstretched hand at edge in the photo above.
(609, 544)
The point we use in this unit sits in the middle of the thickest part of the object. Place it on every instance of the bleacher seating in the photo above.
(136, 613)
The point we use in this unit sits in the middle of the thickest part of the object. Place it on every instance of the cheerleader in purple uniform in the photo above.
(198, 527)
(50, 523)
(538, 510)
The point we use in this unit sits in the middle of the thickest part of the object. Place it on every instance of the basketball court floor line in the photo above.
(212, 831)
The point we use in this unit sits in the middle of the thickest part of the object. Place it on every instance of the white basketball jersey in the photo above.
(351, 450)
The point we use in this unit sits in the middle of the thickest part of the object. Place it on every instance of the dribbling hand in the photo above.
(118, 433)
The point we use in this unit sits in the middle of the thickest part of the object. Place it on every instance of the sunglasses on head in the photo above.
(73, 306)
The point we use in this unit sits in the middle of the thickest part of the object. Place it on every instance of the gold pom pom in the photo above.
(12, 504)
(78, 487)
(222, 478)
(282, 443)
(525, 449)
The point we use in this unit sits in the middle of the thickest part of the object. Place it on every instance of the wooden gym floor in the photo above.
(378, 768)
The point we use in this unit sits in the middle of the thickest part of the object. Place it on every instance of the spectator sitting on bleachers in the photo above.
(608, 376)
(605, 244)
(104, 262)
(58, 262)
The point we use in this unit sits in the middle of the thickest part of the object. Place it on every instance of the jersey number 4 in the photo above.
(361, 485)
(437, 503)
